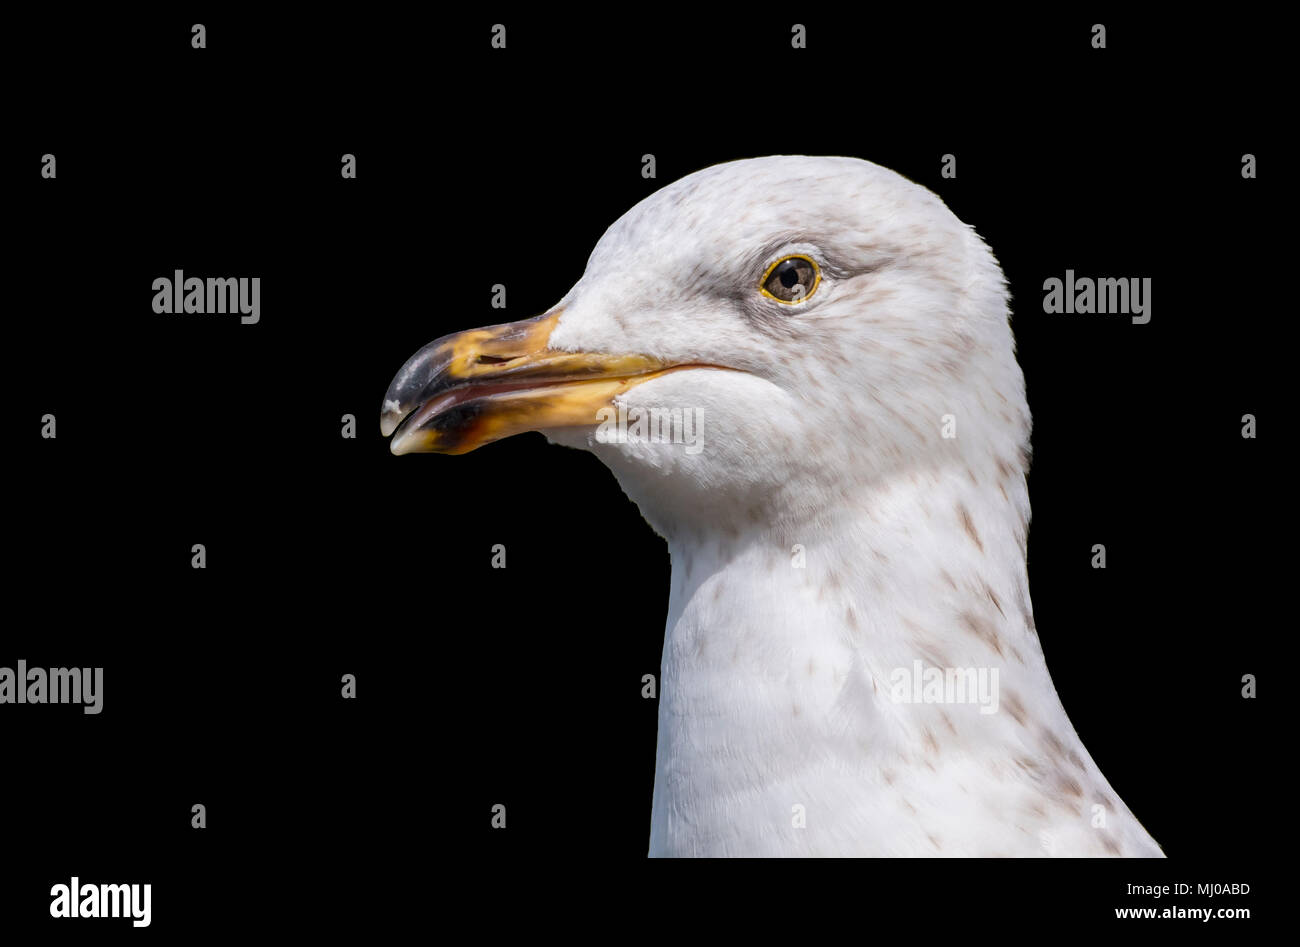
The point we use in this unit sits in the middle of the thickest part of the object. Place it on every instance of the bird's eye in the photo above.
(791, 279)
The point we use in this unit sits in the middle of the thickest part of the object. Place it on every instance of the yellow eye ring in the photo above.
(786, 280)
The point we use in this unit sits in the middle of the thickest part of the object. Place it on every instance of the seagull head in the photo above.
(743, 341)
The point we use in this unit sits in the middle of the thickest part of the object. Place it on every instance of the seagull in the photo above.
(835, 454)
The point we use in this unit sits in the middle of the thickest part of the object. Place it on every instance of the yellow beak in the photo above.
(471, 388)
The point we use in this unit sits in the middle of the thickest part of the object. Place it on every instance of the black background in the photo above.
(522, 686)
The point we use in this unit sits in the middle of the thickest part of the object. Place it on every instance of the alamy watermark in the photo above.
(933, 685)
(1083, 294)
(621, 425)
(181, 294)
(75, 899)
(33, 685)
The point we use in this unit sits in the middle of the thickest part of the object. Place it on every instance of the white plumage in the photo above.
(829, 535)
(776, 680)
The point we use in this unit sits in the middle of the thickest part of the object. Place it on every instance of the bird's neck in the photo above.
(787, 646)
(927, 567)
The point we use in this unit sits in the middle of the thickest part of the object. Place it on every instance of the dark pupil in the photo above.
(788, 273)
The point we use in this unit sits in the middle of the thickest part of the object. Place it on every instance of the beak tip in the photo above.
(407, 443)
